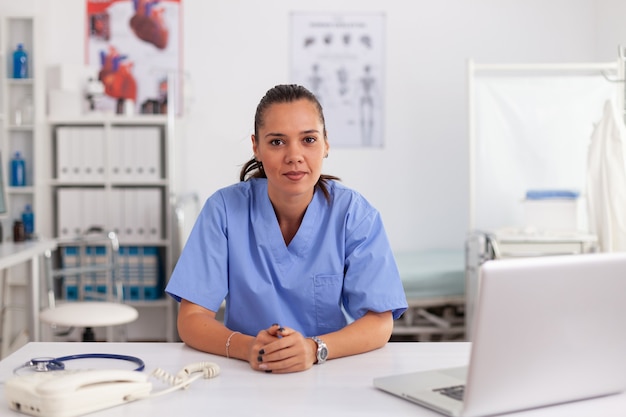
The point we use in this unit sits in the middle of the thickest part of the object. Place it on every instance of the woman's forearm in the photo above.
(372, 331)
(199, 328)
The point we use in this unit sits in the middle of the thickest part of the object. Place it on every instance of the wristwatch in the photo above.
(322, 350)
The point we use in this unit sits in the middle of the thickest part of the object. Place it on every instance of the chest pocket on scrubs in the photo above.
(328, 301)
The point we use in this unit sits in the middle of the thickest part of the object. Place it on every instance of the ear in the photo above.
(254, 145)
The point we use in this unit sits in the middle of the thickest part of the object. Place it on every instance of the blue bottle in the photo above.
(28, 218)
(20, 62)
(18, 171)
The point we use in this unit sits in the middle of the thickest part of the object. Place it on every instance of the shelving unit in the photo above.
(112, 172)
(34, 135)
(21, 116)
(20, 130)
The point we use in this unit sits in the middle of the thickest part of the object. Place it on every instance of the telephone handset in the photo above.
(95, 379)
(70, 393)
(73, 393)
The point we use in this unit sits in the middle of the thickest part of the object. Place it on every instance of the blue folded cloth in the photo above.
(551, 194)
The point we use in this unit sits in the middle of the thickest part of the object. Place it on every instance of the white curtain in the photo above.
(606, 180)
(531, 132)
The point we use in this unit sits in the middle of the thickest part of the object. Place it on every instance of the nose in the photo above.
(294, 154)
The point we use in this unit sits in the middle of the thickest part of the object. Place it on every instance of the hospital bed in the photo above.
(481, 247)
(434, 283)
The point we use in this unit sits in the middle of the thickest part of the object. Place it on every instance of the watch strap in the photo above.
(322, 350)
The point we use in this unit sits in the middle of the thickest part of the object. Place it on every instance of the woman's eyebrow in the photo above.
(282, 135)
(307, 132)
(275, 134)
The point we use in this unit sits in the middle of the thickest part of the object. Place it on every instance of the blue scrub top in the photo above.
(338, 266)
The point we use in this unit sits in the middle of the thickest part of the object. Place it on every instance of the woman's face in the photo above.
(291, 145)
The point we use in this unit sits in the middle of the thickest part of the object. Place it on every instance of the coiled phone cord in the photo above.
(183, 379)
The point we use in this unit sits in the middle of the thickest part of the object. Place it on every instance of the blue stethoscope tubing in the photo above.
(57, 364)
(140, 364)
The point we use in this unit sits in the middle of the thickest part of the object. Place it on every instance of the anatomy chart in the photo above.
(340, 58)
(135, 46)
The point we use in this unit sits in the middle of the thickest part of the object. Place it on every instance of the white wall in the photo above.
(236, 49)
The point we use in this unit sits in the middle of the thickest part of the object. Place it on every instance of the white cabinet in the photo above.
(21, 115)
(112, 172)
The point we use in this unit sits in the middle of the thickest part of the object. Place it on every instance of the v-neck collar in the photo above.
(266, 225)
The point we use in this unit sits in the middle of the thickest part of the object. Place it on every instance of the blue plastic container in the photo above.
(28, 218)
(20, 62)
(18, 171)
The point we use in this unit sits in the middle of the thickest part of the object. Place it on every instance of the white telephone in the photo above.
(72, 393)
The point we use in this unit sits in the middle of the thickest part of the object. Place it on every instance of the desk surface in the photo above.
(13, 253)
(341, 387)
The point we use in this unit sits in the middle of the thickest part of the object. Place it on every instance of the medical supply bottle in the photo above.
(20, 62)
(18, 171)
(19, 235)
(28, 218)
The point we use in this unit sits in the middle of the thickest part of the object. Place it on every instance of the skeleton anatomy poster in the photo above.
(340, 58)
(135, 46)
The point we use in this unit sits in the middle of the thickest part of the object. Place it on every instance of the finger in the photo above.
(284, 339)
(273, 330)
(285, 331)
(291, 364)
(284, 349)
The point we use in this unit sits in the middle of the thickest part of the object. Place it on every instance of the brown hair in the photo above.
(284, 93)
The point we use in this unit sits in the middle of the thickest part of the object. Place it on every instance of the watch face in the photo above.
(323, 354)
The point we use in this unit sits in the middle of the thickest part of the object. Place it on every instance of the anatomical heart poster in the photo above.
(134, 47)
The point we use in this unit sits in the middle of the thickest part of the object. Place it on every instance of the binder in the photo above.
(69, 218)
(92, 150)
(94, 212)
(149, 214)
(130, 214)
(116, 152)
(139, 268)
(148, 139)
(115, 206)
(65, 154)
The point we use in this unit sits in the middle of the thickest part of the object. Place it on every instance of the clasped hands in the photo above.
(279, 349)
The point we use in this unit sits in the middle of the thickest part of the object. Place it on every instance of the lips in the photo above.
(295, 175)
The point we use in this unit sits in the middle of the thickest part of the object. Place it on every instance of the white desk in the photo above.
(15, 253)
(341, 387)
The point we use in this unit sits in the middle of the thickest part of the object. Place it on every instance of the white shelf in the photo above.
(110, 119)
(17, 137)
(20, 81)
(79, 183)
(63, 132)
(21, 190)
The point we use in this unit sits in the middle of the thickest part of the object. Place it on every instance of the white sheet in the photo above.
(606, 180)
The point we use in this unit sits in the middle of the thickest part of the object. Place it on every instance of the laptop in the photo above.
(548, 330)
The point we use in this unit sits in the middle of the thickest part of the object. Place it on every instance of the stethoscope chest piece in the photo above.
(43, 364)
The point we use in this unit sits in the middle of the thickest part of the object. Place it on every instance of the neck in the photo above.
(289, 213)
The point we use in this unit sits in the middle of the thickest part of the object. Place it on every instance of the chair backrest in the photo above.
(87, 267)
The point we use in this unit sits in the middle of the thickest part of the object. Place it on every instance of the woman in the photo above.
(303, 262)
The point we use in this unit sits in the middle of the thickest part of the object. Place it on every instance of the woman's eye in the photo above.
(276, 142)
(310, 139)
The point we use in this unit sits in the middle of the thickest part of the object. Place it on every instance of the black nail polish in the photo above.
(275, 324)
(262, 352)
(281, 329)
(268, 371)
(259, 358)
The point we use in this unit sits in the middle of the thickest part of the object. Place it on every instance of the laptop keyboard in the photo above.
(455, 392)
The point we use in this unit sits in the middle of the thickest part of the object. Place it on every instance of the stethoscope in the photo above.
(47, 364)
